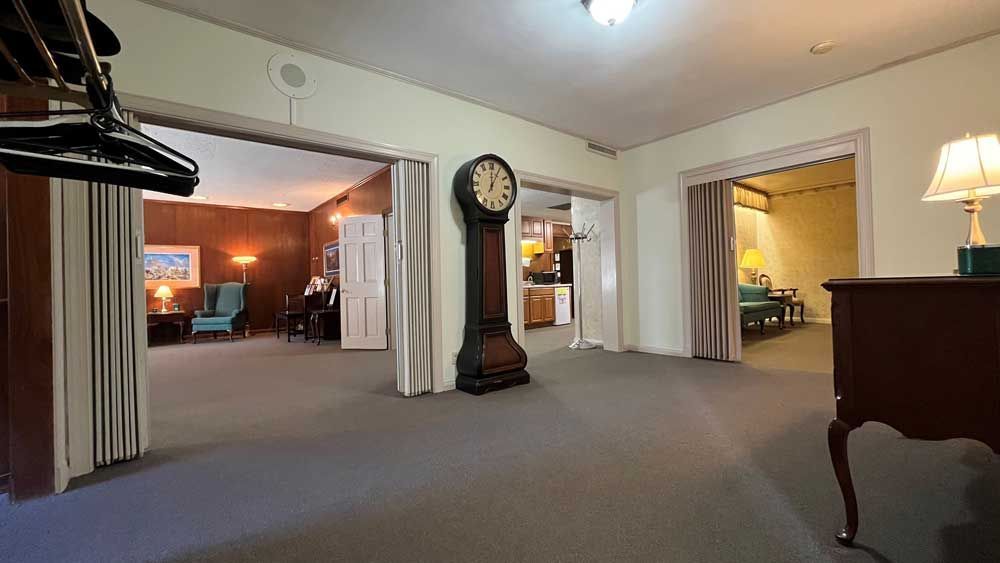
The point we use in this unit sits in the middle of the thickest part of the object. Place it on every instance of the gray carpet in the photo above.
(604, 457)
(803, 347)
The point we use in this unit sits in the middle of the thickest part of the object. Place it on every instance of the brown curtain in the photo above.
(714, 307)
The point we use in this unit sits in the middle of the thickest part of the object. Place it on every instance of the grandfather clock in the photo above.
(490, 359)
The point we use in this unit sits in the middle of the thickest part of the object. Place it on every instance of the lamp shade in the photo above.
(752, 258)
(163, 292)
(244, 259)
(967, 168)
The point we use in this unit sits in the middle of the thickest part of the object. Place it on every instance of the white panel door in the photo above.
(362, 283)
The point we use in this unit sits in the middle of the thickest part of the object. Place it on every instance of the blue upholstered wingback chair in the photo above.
(225, 310)
(755, 307)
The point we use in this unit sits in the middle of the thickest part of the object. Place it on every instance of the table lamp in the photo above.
(968, 172)
(752, 259)
(163, 293)
(244, 261)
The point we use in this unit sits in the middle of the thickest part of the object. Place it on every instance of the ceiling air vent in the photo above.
(602, 150)
(343, 199)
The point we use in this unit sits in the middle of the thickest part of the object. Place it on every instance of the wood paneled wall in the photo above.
(371, 196)
(279, 240)
(27, 430)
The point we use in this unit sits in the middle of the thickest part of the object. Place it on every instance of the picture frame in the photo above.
(331, 259)
(172, 265)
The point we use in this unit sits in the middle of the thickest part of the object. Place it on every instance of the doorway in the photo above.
(416, 299)
(794, 230)
(547, 212)
(712, 313)
(295, 239)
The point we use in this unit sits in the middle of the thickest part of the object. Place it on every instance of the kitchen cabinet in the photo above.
(562, 230)
(526, 227)
(539, 306)
(537, 228)
(549, 308)
(536, 308)
(547, 236)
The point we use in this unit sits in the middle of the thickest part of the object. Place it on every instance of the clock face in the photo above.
(492, 185)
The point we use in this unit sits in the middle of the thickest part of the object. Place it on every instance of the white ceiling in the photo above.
(536, 203)
(807, 177)
(248, 174)
(673, 65)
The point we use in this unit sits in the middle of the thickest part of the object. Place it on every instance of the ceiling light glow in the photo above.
(279, 204)
(609, 12)
(199, 197)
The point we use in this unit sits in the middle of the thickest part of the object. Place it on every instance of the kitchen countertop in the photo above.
(545, 285)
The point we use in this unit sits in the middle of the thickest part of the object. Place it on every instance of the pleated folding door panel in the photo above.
(411, 205)
(120, 379)
(119, 348)
(714, 306)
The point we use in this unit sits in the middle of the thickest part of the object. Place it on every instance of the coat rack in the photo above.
(578, 238)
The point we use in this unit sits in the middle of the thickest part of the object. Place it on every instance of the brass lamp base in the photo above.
(973, 206)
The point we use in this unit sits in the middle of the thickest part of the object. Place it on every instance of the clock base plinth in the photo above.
(487, 383)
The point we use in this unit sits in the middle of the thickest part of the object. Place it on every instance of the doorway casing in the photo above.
(855, 143)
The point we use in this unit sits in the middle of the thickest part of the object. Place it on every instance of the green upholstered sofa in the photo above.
(755, 307)
(225, 310)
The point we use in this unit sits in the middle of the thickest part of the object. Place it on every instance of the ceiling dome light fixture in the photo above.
(609, 12)
(822, 47)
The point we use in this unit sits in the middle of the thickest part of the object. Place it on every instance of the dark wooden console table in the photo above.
(921, 355)
(176, 318)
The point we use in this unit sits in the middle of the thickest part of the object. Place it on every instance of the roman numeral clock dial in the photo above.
(492, 185)
(490, 358)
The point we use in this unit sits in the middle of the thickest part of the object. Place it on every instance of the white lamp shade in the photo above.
(968, 168)
(163, 292)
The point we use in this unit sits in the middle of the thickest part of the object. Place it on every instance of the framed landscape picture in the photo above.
(174, 266)
(331, 259)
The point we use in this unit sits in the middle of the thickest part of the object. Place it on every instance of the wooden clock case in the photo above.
(490, 358)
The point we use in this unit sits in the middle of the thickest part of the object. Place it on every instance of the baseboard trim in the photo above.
(658, 350)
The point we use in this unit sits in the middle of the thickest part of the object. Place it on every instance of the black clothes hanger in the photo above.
(91, 144)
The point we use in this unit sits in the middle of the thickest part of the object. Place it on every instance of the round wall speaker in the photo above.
(291, 76)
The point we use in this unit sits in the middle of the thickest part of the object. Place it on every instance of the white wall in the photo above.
(175, 58)
(911, 109)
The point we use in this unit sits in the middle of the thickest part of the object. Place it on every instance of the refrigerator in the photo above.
(563, 316)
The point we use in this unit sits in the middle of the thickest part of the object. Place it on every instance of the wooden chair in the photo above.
(293, 315)
(791, 298)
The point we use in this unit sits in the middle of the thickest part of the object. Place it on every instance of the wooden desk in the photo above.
(178, 318)
(921, 355)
